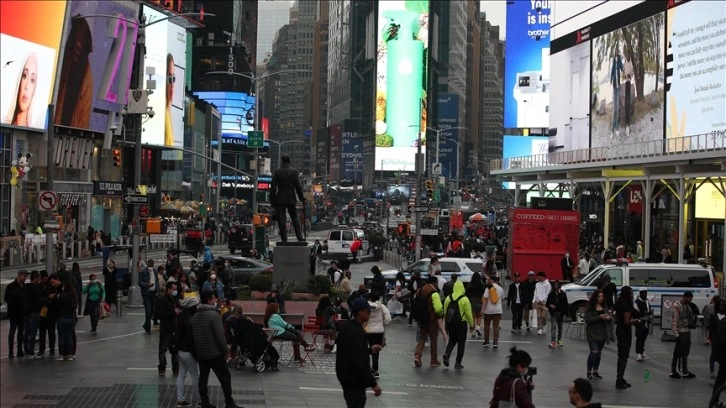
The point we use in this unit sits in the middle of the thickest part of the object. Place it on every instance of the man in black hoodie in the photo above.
(167, 309)
(379, 286)
(581, 394)
(32, 299)
(13, 297)
(352, 365)
(527, 292)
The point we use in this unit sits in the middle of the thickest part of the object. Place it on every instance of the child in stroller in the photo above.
(251, 343)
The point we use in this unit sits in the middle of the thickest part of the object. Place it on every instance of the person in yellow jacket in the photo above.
(457, 316)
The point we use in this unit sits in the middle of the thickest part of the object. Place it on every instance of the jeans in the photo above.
(527, 311)
(165, 338)
(721, 377)
(221, 370)
(641, 333)
(712, 358)
(355, 397)
(428, 331)
(31, 331)
(517, 312)
(627, 103)
(16, 324)
(187, 364)
(295, 337)
(625, 339)
(616, 108)
(94, 307)
(47, 325)
(149, 301)
(593, 359)
(681, 351)
(375, 338)
(457, 337)
(493, 320)
(66, 328)
(556, 326)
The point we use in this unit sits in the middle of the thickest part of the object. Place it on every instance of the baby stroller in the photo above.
(252, 344)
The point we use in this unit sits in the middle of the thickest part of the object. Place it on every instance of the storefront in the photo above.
(106, 207)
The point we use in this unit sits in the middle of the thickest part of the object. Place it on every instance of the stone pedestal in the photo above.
(291, 261)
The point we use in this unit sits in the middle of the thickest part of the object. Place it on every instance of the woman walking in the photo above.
(625, 320)
(400, 293)
(596, 320)
(109, 281)
(380, 317)
(474, 292)
(185, 345)
(94, 296)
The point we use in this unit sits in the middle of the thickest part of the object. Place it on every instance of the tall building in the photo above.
(473, 92)
(319, 97)
(491, 91)
(271, 16)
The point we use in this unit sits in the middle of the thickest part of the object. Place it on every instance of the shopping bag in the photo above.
(533, 318)
(395, 307)
(104, 311)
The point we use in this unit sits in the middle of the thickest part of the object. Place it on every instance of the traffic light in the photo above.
(429, 189)
(403, 229)
(116, 157)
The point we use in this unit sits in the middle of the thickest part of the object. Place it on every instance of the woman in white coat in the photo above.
(376, 327)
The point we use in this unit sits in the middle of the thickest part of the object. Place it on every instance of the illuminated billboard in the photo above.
(517, 149)
(527, 68)
(402, 55)
(447, 115)
(30, 34)
(97, 59)
(709, 202)
(166, 53)
(238, 112)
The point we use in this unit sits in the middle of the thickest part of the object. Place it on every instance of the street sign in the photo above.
(436, 169)
(255, 138)
(47, 200)
(162, 238)
(429, 231)
(437, 195)
(419, 209)
(136, 199)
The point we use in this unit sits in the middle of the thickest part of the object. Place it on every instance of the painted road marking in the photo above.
(504, 341)
(341, 391)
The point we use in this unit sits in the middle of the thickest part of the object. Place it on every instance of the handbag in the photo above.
(104, 310)
(533, 318)
(511, 403)
(44, 311)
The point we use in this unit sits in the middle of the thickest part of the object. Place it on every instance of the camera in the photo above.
(151, 113)
(531, 371)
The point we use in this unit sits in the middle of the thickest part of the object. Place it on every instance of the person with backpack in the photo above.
(457, 317)
(426, 309)
(493, 296)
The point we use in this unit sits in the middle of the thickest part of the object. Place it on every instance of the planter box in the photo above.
(305, 297)
(257, 295)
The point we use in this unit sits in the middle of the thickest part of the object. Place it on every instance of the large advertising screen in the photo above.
(166, 53)
(336, 136)
(527, 68)
(352, 155)
(627, 84)
(570, 111)
(238, 117)
(447, 116)
(695, 72)
(97, 59)
(30, 34)
(517, 148)
(403, 29)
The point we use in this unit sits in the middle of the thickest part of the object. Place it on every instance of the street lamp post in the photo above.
(279, 146)
(457, 162)
(438, 139)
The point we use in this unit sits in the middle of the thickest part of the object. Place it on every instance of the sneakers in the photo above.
(310, 347)
(473, 334)
(485, 344)
(376, 375)
(478, 331)
(639, 357)
(446, 360)
(162, 373)
(458, 366)
(39, 356)
(596, 375)
(435, 363)
(560, 343)
(495, 345)
(674, 375)
(553, 344)
(539, 332)
(181, 404)
(589, 375)
(645, 357)
(417, 362)
(689, 375)
(231, 405)
(60, 358)
(621, 385)
(627, 130)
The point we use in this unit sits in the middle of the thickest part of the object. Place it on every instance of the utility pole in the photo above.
(50, 164)
(419, 175)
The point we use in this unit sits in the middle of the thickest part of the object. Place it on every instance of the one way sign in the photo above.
(419, 208)
(436, 169)
(136, 199)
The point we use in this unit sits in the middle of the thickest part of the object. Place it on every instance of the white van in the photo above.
(658, 278)
(340, 240)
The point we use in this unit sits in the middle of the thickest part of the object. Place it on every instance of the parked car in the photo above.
(340, 239)
(464, 267)
(242, 268)
(240, 238)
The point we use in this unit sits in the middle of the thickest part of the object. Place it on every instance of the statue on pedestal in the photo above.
(285, 184)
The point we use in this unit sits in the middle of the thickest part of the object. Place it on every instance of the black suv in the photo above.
(240, 237)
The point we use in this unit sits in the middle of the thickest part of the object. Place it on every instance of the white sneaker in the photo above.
(539, 332)
(645, 357)
(627, 130)
(640, 357)
(617, 133)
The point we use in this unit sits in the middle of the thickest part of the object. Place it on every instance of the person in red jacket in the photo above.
(355, 247)
(513, 384)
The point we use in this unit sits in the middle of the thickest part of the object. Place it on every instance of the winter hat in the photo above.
(375, 269)
(359, 304)
(191, 301)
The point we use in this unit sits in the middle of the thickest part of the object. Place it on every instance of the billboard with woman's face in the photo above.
(30, 33)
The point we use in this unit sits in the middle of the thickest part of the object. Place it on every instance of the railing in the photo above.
(394, 259)
(710, 142)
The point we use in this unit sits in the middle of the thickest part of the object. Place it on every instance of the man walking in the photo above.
(352, 365)
(514, 301)
(149, 284)
(528, 297)
(285, 184)
(428, 320)
(492, 307)
(13, 297)
(212, 350)
(615, 70)
(541, 292)
(457, 315)
(628, 73)
(167, 310)
(642, 304)
(683, 320)
(566, 265)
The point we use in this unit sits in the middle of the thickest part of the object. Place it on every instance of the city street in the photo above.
(117, 368)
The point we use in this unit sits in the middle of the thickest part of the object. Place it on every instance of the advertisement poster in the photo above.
(237, 110)
(166, 52)
(335, 150)
(519, 148)
(447, 117)
(30, 35)
(570, 113)
(398, 193)
(321, 153)
(627, 85)
(97, 59)
(695, 73)
(403, 28)
(527, 71)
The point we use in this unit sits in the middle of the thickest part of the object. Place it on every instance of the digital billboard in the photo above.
(335, 133)
(695, 72)
(447, 116)
(166, 53)
(527, 68)
(570, 111)
(517, 148)
(627, 84)
(30, 35)
(352, 153)
(97, 59)
(709, 202)
(238, 118)
(403, 29)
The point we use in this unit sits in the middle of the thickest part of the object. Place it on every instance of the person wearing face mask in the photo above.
(95, 294)
(167, 310)
(514, 380)
(215, 286)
